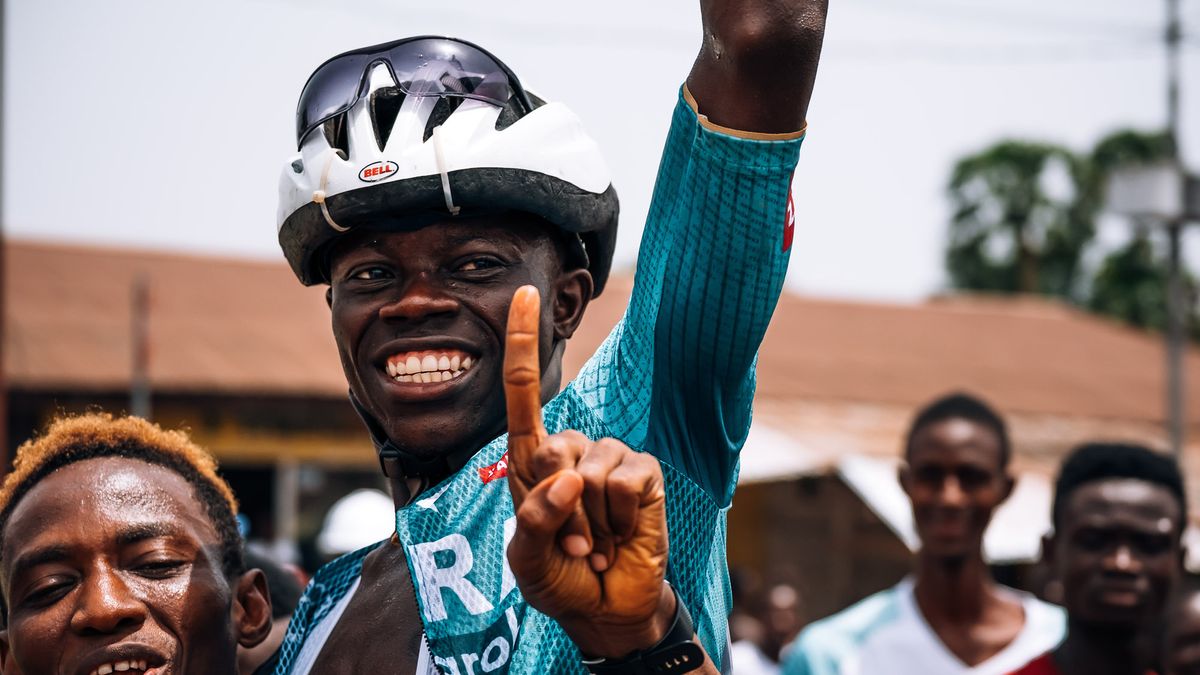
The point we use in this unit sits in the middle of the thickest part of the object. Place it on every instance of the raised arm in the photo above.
(758, 62)
(676, 379)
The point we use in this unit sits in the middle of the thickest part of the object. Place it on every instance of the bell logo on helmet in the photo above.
(377, 171)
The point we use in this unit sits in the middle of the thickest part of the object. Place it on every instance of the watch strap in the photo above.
(674, 653)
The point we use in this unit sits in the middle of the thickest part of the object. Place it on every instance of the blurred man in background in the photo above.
(1119, 515)
(951, 617)
(119, 552)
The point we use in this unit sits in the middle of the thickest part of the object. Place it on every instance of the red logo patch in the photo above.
(789, 222)
(377, 171)
(488, 474)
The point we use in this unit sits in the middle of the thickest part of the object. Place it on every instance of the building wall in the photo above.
(817, 535)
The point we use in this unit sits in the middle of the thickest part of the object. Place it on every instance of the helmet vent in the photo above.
(385, 106)
(335, 134)
(441, 112)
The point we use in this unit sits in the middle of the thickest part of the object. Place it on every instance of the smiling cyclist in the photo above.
(429, 187)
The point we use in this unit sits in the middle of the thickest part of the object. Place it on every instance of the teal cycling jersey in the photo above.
(675, 378)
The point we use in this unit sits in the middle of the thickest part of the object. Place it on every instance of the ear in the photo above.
(329, 296)
(252, 609)
(904, 475)
(572, 293)
(1006, 489)
(1048, 552)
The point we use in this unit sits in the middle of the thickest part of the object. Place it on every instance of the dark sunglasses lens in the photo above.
(434, 67)
(422, 67)
(332, 89)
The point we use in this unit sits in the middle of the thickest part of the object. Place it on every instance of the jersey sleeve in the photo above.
(676, 376)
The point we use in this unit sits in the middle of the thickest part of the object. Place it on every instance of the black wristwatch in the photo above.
(675, 653)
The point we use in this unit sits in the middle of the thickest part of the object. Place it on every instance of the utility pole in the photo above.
(1176, 303)
(139, 377)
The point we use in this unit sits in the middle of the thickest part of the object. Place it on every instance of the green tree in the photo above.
(1023, 216)
(1131, 285)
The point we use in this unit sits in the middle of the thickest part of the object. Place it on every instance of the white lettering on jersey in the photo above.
(431, 579)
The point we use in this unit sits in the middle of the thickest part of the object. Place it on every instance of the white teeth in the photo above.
(121, 666)
(104, 669)
(429, 368)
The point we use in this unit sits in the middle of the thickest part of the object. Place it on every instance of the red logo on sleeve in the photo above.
(488, 474)
(789, 223)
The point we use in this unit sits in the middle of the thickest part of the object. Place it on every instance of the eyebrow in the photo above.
(144, 531)
(39, 556)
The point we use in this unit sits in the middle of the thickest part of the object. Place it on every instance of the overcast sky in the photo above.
(165, 124)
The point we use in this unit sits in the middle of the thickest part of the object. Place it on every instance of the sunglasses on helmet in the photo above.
(420, 66)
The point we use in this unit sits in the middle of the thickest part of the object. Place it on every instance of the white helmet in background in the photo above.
(359, 519)
(400, 135)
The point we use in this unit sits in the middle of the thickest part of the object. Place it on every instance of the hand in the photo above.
(590, 548)
(758, 62)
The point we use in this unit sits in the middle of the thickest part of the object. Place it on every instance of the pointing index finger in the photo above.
(522, 384)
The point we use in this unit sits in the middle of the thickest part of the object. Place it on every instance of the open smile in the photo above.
(127, 658)
(127, 665)
(429, 366)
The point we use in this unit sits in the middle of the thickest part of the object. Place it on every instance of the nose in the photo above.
(1122, 559)
(422, 297)
(106, 605)
(952, 493)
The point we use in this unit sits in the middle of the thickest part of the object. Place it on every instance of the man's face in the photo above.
(1117, 553)
(1183, 637)
(419, 317)
(955, 481)
(111, 564)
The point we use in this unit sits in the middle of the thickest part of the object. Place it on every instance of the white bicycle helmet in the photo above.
(403, 134)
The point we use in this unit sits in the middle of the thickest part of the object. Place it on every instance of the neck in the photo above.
(1090, 650)
(957, 589)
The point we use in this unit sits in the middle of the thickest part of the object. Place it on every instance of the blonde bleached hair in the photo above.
(71, 439)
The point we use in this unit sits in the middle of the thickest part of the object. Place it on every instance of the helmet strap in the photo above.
(440, 155)
(319, 194)
(399, 465)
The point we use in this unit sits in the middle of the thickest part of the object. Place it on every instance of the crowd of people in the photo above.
(462, 225)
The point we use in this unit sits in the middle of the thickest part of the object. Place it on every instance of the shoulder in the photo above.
(1046, 622)
(835, 637)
